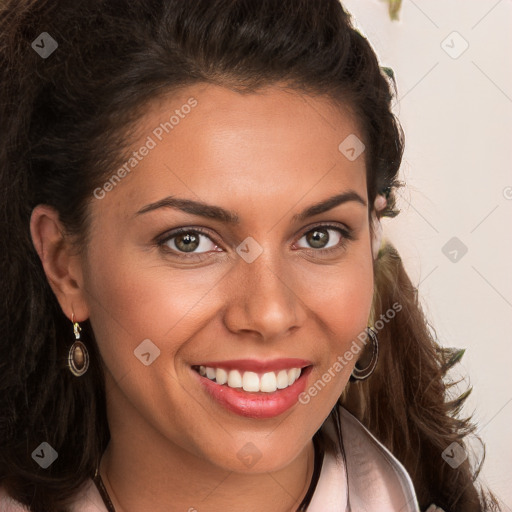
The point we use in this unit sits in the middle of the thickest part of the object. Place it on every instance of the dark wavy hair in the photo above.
(68, 120)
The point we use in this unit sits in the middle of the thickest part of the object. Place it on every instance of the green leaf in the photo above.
(459, 402)
(394, 8)
(455, 357)
(391, 75)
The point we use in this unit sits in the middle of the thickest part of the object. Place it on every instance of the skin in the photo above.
(266, 156)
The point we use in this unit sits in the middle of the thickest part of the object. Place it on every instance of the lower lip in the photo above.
(255, 405)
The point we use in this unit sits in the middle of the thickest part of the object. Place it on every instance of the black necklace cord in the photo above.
(319, 455)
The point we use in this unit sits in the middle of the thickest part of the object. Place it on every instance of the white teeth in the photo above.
(282, 379)
(234, 379)
(293, 375)
(268, 382)
(221, 376)
(251, 381)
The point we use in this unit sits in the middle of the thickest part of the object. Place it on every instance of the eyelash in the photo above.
(347, 236)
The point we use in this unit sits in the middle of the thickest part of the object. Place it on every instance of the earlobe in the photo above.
(60, 263)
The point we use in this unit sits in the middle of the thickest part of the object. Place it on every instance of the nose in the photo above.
(264, 298)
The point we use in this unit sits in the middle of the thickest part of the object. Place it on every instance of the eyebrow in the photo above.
(217, 213)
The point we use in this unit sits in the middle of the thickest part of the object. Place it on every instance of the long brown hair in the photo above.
(67, 121)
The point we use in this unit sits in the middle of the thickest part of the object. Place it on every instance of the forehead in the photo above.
(282, 114)
(210, 142)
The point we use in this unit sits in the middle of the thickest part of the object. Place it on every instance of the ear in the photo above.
(62, 266)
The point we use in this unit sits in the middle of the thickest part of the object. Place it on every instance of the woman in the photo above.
(198, 311)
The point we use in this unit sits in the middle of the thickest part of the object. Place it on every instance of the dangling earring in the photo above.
(358, 374)
(78, 357)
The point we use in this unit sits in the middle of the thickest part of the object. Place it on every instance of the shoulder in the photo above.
(87, 500)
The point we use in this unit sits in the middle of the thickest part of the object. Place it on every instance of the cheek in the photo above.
(131, 301)
(351, 318)
(342, 303)
(342, 296)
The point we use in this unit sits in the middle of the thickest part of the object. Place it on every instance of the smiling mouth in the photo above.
(252, 382)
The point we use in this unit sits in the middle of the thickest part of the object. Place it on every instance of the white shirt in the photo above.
(377, 481)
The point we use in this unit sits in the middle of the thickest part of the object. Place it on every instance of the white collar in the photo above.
(377, 481)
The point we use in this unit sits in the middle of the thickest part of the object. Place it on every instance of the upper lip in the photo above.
(257, 365)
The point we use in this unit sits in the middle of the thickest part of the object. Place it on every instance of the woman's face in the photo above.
(271, 285)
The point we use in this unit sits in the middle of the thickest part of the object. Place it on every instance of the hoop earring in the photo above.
(78, 357)
(358, 374)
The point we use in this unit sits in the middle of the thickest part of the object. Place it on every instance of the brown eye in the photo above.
(320, 237)
(186, 242)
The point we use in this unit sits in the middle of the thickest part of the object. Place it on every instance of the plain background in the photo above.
(455, 105)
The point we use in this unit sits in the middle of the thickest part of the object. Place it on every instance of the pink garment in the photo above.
(377, 480)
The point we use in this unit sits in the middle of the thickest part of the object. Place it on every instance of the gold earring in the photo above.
(78, 357)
